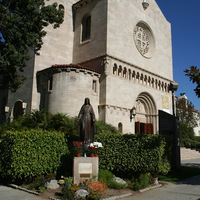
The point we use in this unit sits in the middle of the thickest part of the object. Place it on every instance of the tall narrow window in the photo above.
(94, 85)
(86, 28)
(50, 83)
(120, 127)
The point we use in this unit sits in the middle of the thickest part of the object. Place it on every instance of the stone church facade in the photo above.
(122, 60)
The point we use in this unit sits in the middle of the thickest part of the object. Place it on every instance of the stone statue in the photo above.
(86, 119)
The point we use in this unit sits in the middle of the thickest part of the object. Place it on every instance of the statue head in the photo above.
(87, 101)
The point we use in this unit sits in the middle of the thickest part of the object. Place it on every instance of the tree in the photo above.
(194, 75)
(187, 114)
(188, 117)
(22, 24)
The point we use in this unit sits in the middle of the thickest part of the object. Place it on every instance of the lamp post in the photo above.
(173, 87)
(175, 160)
(145, 4)
(132, 113)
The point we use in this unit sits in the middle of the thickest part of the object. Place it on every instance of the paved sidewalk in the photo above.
(191, 163)
(188, 189)
(8, 193)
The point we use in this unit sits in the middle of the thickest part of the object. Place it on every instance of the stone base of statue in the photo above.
(85, 168)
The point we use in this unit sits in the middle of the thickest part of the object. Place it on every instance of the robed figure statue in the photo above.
(86, 119)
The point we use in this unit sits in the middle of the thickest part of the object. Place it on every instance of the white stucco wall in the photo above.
(70, 90)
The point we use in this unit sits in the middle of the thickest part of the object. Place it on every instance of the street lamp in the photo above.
(145, 4)
(173, 87)
(132, 112)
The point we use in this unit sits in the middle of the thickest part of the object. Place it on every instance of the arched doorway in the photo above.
(146, 114)
(18, 110)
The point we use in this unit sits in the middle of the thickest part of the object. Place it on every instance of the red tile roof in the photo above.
(75, 66)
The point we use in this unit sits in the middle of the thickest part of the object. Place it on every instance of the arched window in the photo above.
(86, 27)
(125, 73)
(129, 74)
(120, 71)
(115, 69)
(120, 127)
(133, 75)
(61, 7)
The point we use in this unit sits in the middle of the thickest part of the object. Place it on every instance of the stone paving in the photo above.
(8, 193)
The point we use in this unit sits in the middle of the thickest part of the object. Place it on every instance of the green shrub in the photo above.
(142, 181)
(59, 122)
(102, 127)
(43, 120)
(66, 191)
(128, 154)
(196, 138)
(27, 154)
(186, 131)
(116, 185)
(106, 176)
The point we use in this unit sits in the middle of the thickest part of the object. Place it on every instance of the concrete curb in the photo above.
(118, 197)
(109, 198)
(23, 189)
(150, 188)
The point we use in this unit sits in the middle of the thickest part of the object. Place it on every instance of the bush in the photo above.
(38, 183)
(59, 122)
(102, 127)
(142, 181)
(128, 154)
(27, 154)
(186, 131)
(116, 185)
(43, 120)
(96, 189)
(106, 176)
(67, 191)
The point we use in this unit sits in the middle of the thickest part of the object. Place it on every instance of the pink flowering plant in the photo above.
(77, 146)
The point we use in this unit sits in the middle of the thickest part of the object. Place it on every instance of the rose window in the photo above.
(144, 40)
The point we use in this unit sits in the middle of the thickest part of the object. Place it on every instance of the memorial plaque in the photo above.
(85, 175)
(85, 168)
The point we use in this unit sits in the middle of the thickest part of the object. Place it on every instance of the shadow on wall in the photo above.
(18, 109)
(3, 103)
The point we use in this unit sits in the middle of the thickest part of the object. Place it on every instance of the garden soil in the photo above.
(108, 193)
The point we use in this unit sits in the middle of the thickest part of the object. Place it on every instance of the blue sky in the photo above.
(184, 16)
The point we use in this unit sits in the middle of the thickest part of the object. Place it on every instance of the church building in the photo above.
(118, 53)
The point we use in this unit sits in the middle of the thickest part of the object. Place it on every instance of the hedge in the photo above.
(26, 154)
(133, 153)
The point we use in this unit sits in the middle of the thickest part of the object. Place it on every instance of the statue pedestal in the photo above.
(85, 168)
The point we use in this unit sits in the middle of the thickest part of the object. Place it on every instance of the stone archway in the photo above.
(146, 114)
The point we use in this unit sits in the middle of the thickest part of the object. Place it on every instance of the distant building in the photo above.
(122, 59)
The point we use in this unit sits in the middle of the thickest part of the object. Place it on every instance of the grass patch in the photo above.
(180, 174)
